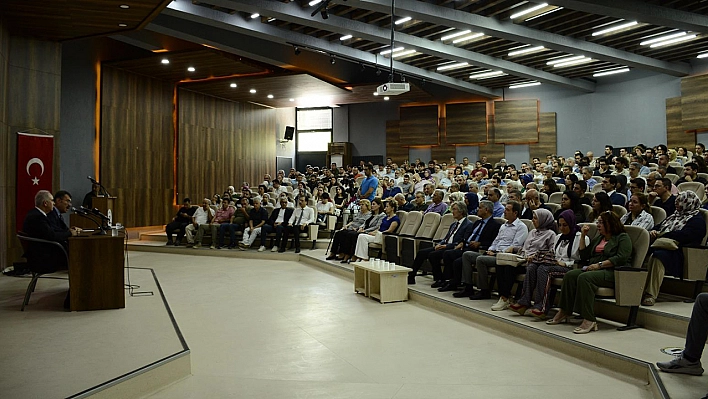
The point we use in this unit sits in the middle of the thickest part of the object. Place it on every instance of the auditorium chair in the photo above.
(587, 211)
(38, 269)
(552, 207)
(443, 227)
(392, 242)
(381, 247)
(696, 187)
(695, 265)
(556, 197)
(619, 210)
(426, 231)
(659, 214)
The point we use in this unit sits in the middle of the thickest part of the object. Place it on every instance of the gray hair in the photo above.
(488, 205)
(587, 169)
(441, 192)
(636, 165)
(461, 207)
(399, 196)
(41, 196)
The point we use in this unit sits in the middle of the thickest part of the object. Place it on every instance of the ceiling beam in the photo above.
(296, 14)
(508, 30)
(640, 11)
(205, 26)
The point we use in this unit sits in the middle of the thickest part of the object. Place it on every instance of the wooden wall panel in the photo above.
(516, 122)
(137, 147)
(694, 103)
(676, 135)
(466, 123)
(30, 84)
(547, 137)
(419, 125)
(394, 149)
(222, 143)
(443, 153)
(494, 152)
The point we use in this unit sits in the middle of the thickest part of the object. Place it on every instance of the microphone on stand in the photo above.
(98, 213)
(83, 212)
(80, 211)
(93, 180)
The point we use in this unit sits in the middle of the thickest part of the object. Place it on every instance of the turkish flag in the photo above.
(35, 155)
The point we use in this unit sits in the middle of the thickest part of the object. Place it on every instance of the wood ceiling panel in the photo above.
(59, 20)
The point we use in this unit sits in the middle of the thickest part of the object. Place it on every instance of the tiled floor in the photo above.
(263, 328)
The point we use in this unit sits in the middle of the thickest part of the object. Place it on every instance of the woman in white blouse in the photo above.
(541, 271)
(638, 214)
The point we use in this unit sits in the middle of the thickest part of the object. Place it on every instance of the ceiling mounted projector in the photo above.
(393, 89)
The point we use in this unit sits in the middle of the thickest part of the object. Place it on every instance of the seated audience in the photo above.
(639, 213)
(570, 201)
(687, 227)
(277, 223)
(600, 203)
(438, 206)
(370, 225)
(662, 197)
(339, 249)
(257, 217)
(223, 216)
(472, 202)
(389, 224)
(302, 217)
(611, 248)
(180, 222)
(324, 208)
(201, 223)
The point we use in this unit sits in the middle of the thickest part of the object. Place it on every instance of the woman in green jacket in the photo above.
(612, 247)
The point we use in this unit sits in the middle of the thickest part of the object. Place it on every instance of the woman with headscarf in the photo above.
(541, 271)
(472, 202)
(687, 227)
(540, 239)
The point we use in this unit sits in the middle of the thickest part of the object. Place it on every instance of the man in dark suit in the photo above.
(42, 257)
(457, 233)
(62, 203)
(483, 233)
(609, 185)
(277, 223)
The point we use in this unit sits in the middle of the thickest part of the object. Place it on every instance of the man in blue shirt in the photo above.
(494, 195)
(368, 187)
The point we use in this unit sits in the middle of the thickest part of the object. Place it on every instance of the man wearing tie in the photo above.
(460, 229)
(483, 233)
(62, 203)
(302, 217)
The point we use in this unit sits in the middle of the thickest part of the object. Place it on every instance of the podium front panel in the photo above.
(96, 277)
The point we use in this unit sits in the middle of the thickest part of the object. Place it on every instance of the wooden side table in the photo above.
(384, 285)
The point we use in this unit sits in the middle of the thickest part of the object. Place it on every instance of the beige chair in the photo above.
(556, 198)
(561, 186)
(679, 170)
(619, 210)
(672, 177)
(703, 175)
(694, 261)
(587, 211)
(589, 195)
(694, 186)
(543, 196)
(659, 214)
(596, 188)
(445, 222)
(528, 223)
(552, 207)
(473, 218)
(426, 231)
(500, 220)
(381, 247)
(593, 229)
(392, 242)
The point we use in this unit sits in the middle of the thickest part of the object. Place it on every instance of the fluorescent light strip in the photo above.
(522, 85)
(466, 38)
(525, 50)
(404, 53)
(452, 66)
(615, 28)
(703, 55)
(486, 75)
(345, 37)
(544, 14)
(528, 10)
(673, 41)
(314, 2)
(456, 34)
(255, 15)
(574, 62)
(610, 72)
(565, 59)
(662, 38)
(402, 20)
(392, 51)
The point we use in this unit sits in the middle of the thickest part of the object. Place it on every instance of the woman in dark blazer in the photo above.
(611, 248)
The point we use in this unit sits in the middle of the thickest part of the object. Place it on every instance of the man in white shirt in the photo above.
(201, 221)
(302, 217)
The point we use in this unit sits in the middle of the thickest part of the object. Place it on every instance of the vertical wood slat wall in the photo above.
(466, 123)
(30, 98)
(419, 125)
(222, 143)
(676, 135)
(394, 148)
(547, 137)
(136, 153)
(694, 103)
(516, 121)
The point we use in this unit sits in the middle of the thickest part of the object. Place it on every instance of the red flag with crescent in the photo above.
(35, 156)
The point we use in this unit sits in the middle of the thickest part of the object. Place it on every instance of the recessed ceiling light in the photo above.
(271, 19)
(255, 15)
(124, 6)
(386, 98)
(165, 61)
(452, 66)
(610, 72)
(402, 20)
(487, 75)
(390, 51)
(565, 59)
(525, 49)
(525, 84)
(403, 53)
(528, 10)
(252, 91)
(454, 35)
(615, 28)
(673, 41)
(345, 37)
(122, 25)
(703, 55)
(191, 69)
(233, 85)
(662, 38)
(376, 93)
(543, 14)
(466, 38)
(314, 2)
(292, 99)
(270, 96)
(577, 61)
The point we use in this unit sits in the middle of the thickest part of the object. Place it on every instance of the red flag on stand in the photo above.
(35, 156)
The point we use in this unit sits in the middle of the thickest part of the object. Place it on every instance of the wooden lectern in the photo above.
(96, 275)
(104, 204)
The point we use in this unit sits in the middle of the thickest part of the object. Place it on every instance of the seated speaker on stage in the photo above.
(62, 203)
(180, 222)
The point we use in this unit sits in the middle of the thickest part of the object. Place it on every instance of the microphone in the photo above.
(98, 213)
(80, 211)
(93, 180)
